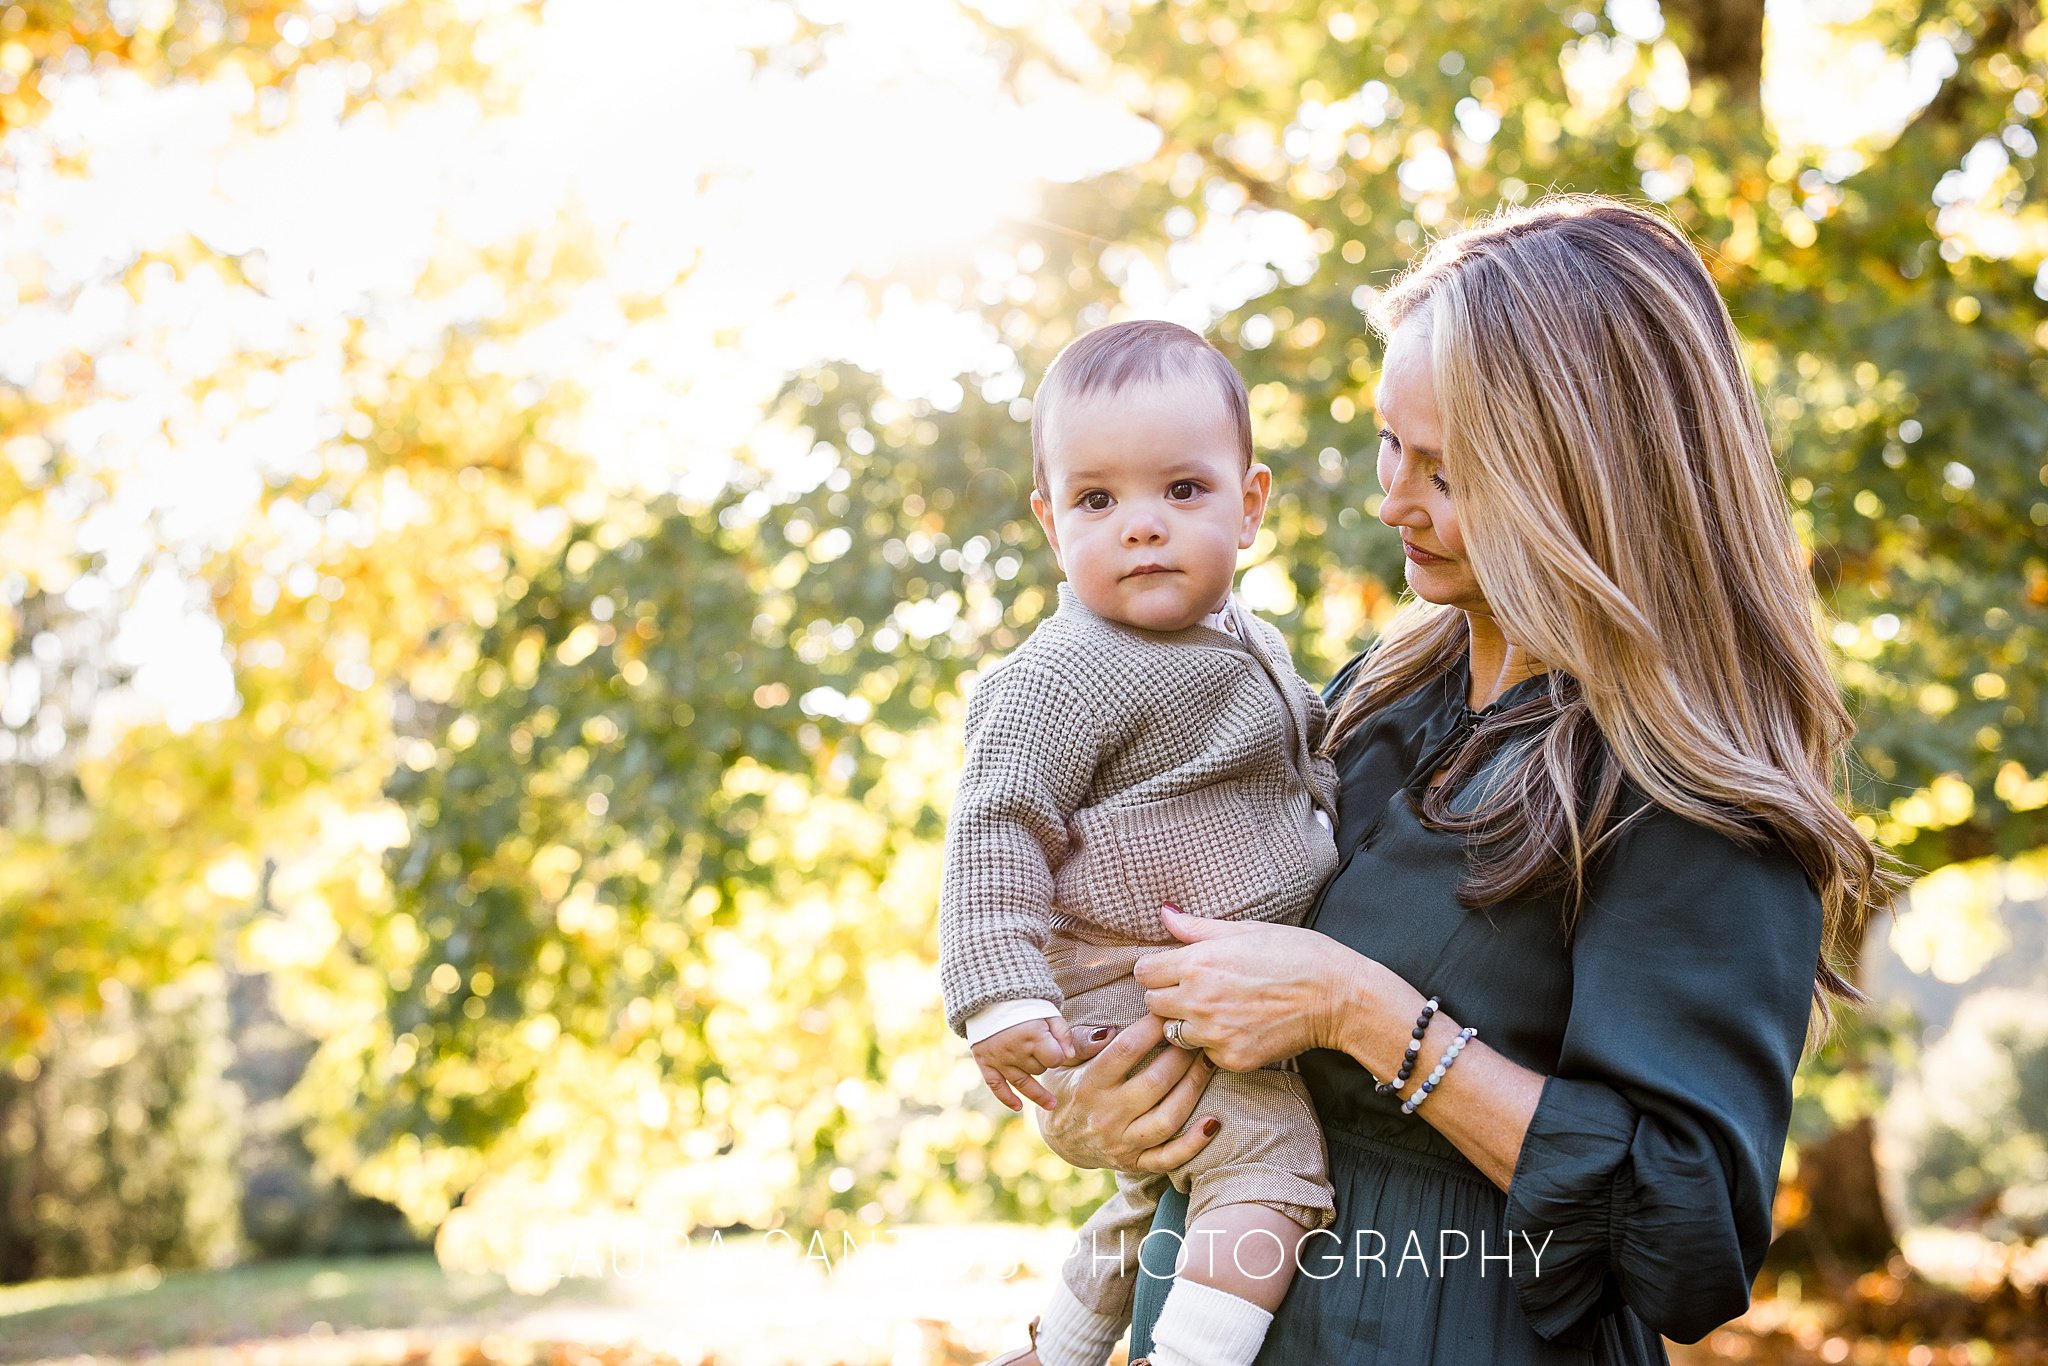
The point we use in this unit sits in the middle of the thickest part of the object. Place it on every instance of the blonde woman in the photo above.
(1587, 810)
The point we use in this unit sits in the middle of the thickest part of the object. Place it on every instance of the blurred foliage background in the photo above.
(500, 499)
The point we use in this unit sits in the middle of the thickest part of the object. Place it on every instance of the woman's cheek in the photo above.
(1447, 528)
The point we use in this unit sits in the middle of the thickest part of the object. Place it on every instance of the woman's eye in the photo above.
(1095, 500)
(1180, 490)
(1438, 480)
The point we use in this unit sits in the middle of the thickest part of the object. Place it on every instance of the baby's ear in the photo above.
(1258, 487)
(1043, 512)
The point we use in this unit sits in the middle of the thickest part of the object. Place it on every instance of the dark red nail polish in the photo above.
(1210, 1126)
(1099, 1035)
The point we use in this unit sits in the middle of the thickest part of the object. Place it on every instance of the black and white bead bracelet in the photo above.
(1388, 1088)
(1443, 1065)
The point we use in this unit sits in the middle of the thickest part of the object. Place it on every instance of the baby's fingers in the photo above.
(1000, 1088)
(1065, 1038)
(1049, 1049)
(1032, 1089)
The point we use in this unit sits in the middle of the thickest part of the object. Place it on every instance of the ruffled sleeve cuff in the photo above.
(1634, 1212)
(1561, 1209)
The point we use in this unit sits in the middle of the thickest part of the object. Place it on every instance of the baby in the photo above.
(1149, 745)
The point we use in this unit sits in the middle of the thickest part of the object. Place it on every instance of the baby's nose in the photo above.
(1143, 528)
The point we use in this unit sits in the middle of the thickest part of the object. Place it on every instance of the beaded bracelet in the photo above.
(1443, 1065)
(1387, 1088)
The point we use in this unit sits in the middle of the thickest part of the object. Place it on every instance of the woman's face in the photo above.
(1418, 502)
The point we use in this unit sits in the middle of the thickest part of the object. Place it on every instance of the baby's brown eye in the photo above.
(1182, 489)
(1095, 501)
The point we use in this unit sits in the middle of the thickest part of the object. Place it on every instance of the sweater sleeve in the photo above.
(1651, 1162)
(1032, 748)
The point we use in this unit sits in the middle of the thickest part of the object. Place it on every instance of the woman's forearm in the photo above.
(1484, 1103)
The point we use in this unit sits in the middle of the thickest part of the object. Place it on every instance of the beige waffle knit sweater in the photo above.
(1111, 770)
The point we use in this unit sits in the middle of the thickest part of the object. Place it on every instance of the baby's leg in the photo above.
(1091, 1304)
(1253, 1195)
(1243, 1250)
(1234, 1271)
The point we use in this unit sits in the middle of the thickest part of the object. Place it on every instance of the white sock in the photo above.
(1203, 1326)
(1072, 1334)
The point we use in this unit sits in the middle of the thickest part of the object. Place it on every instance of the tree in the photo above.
(664, 779)
(133, 852)
(1887, 291)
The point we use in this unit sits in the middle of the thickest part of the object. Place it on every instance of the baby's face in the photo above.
(1148, 503)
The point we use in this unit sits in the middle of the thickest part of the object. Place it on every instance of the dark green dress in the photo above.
(1668, 1025)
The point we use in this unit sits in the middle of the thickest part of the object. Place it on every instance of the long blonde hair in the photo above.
(1623, 513)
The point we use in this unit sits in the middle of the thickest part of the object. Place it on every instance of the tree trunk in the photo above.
(1723, 42)
(18, 1142)
(1846, 1229)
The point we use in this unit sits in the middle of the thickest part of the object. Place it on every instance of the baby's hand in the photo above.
(1015, 1056)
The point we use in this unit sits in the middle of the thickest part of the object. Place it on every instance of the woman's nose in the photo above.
(1395, 505)
(1399, 507)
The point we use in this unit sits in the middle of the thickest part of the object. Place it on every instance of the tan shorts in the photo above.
(1268, 1152)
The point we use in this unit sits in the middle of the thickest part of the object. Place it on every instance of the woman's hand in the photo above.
(1253, 993)
(1114, 1108)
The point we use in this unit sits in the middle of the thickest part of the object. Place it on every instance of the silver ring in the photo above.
(1173, 1028)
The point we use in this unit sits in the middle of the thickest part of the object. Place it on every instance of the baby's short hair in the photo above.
(1121, 356)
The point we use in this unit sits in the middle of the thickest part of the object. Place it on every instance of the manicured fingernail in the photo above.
(1099, 1035)
(1210, 1126)
(1169, 906)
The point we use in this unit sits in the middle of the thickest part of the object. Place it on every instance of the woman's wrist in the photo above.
(1376, 1019)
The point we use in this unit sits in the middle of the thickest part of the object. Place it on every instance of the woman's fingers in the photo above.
(1181, 1149)
(1159, 1075)
(1130, 1045)
(1114, 1093)
(1193, 929)
(1127, 1106)
(1169, 1003)
(1161, 969)
(1089, 1043)
(1154, 1131)
(1148, 1109)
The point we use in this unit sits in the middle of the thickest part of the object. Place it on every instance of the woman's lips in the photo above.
(1421, 556)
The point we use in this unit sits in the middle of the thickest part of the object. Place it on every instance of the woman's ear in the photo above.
(1043, 512)
(1258, 486)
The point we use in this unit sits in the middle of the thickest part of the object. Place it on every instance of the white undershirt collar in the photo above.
(1223, 619)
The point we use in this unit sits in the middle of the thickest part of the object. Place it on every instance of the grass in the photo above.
(950, 1300)
(938, 1297)
(148, 1311)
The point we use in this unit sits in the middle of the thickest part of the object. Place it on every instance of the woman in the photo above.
(1586, 805)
